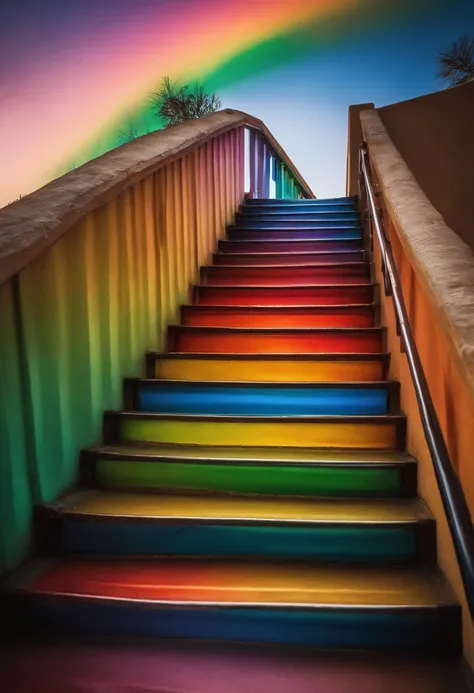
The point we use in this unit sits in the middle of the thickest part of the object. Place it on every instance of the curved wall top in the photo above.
(35, 222)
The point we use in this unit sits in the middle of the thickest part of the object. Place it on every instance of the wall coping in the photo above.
(443, 262)
(31, 225)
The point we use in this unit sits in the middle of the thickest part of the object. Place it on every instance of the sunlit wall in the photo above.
(75, 76)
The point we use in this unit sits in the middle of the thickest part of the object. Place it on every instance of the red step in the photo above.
(328, 295)
(278, 316)
(356, 273)
(288, 259)
(212, 340)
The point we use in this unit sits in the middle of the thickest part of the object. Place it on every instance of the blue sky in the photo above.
(310, 121)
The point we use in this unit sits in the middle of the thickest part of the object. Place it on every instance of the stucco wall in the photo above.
(435, 136)
(436, 270)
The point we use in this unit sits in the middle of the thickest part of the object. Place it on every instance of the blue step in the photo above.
(182, 397)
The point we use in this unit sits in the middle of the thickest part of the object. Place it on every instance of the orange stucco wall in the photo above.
(453, 401)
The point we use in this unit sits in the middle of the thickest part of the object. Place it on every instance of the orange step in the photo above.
(255, 341)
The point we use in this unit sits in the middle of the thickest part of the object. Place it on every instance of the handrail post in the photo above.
(452, 494)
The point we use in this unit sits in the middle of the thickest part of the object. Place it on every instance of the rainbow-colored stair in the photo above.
(255, 487)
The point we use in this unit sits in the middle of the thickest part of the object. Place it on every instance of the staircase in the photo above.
(256, 486)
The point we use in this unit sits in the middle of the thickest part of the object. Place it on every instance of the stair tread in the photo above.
(248, 356)
(345, 199)
(310, 265)
(287, 384)
(188, 508)
(249, 583)
(268, 455)
(300, 287)
(209, 307)
(297, 253)
(297, 242)
(340, 214)
(318, 221)
(249, 209)
(288, 233)
(310, 418)
(299, 330)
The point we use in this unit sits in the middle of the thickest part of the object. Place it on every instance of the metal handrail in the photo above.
(452, 495)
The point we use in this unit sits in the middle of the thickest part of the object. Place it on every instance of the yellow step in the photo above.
(155, 506)
(245, 452)
(375, 432)
(219, 367)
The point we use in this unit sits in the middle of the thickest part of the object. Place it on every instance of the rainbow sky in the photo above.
(74, 74)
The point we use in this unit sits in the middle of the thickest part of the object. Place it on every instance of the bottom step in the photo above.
(324, 606)
(190, 667)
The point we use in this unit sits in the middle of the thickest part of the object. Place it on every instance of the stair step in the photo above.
(322, 215)
(246, 470)
(287, 232)
(278, 316)
(337, 530)
(353, 273)
(264, 398)
(324, 606)
(313, 202)
(275, 340)
(268, 367)
(385, 432)
(252, 511)
(288, 259)
(319, 295)
(296, 208)
(293, 245)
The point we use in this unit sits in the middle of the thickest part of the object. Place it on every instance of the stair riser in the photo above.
(327, 481)
(375, 436)
(289, 246)
(357, 544)
(317, 217)
(353, 316)
(269, 371)
(289, 233)
(291, 276)
(289, 260)
(423, 630)
(274, 343)
(284, 296)
(300, 203)
(295, 208)
(254, 401)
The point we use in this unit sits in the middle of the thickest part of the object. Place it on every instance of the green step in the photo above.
(258, 471)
